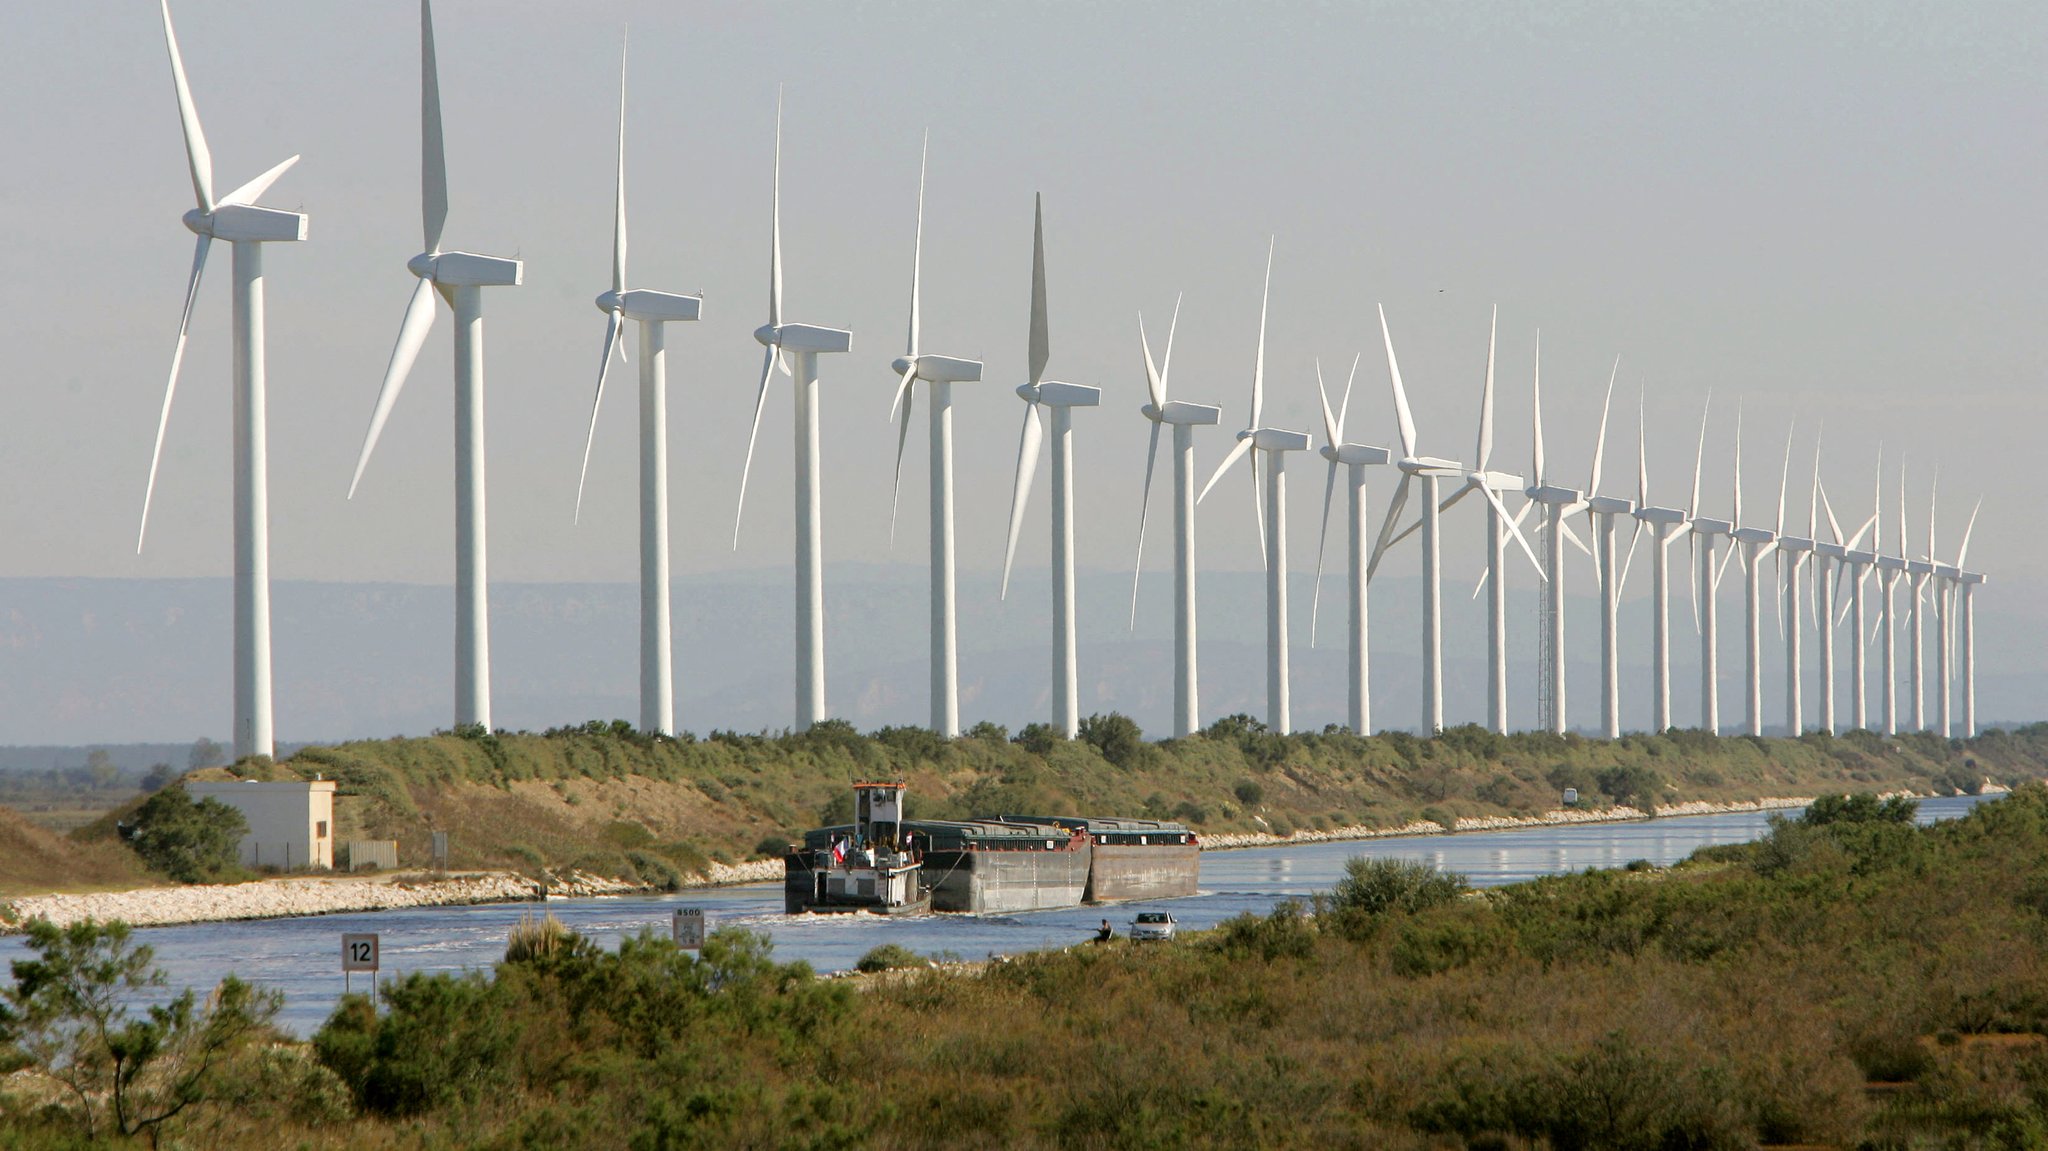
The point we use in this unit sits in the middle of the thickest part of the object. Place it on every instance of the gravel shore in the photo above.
(1230, 840)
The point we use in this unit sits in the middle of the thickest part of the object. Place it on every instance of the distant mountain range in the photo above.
(101, 661)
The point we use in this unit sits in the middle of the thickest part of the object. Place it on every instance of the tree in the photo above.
(125, 1075)
(99, 766)
(1115, 735)
(205, 753)
(1631, 784)
(190, 842)
(158, 777)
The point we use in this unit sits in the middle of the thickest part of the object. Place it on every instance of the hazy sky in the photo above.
(1823, 210)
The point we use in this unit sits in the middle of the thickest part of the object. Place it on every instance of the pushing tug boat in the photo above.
(885, 864)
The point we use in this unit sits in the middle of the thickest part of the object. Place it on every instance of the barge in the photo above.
(885, 864)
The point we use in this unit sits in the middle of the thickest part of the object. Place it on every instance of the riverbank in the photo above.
(334, 895)
(1617, 814)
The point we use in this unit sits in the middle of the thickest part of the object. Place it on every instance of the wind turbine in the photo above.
(1756, 544)
(795, 349)
(1826, 552)
(1428, 470)
(1275, 443)
(1918, 571)
(1706, 584)
(1355, 458)
(459, 277)
(1889, 569)
(1794, 547)
(942, 372)
(651, 310)
(1600, 512)
(1062, 398)
(1185, 418)
(1557, 502)
(238, 219)
(1966, 581)
(1664, 522)
(1861, 562)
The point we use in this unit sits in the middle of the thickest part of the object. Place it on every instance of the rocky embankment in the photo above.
(1500, 822)
(319, 895)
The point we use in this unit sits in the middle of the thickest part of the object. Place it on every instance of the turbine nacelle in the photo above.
(1182, 412)
(1861, 557)
(466, 270)
(1971, 578)
(938, 369)
(247, 223)
(1551, 494)
(1947, 571)
(1610, 505)
(1055, 394)
(1353, 454)
(645, 304)
(1275, 439)
(1832, 551)
(1891, 564)
(1661, 516)
(1795, 544)
(1429, 466)
(1919, 567)
(804, 338)
(1498, 481)
(1706, 527)
(1753, 535)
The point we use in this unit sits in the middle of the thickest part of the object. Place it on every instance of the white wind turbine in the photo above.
(941, 372)
(1557, 503)
(1499, 525)
(1791, 552)
(459, 277)
(1272, 515)
(238, 219)
(1355, 458)
(1918, 572)
(1062, 398)
(795, 349)
(1889, 569)
(1600, 512)
(1755, 543)
(1665, 522)
(1860, 563)
(1965, 582)
(651, 310)
(1185, 418)
(1706, 584)
(1428, 470)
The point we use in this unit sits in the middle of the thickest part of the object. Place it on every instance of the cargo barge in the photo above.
(885, 864)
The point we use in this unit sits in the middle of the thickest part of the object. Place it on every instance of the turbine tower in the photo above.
(1889, 569)
(1600, 512)
(1275, 443)
(238, 219)
(1062, 398)
(1557, 503)
(1756, 544)
(459, 277)
(1706, 585)
(1355, 458)
(651, 310)
(1665, 522)
(1918, 572)
(1428, 470)
(941, 372)
(1826, 552)
(1794, 547)
(1966, 582)
(1861, 562)
(1185, 418)
(795, 349)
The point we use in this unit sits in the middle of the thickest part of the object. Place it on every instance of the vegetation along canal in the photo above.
(302, 957)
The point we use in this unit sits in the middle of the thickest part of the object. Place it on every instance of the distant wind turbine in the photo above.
(1354, 458)
(1664, 521)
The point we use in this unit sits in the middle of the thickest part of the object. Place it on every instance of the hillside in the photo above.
(35, 861)
(604, 798)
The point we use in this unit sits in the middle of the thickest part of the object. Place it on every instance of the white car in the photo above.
(1152, 925)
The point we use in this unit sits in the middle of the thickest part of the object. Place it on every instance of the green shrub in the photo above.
(1249, 793)
(888, 957)
(1037, 738)
(1374, 887)
(1862, 807)
(1115, 735)
(190, 842)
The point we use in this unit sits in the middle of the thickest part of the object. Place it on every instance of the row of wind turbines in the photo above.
(792, 349)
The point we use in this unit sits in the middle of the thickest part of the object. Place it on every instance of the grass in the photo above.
(37, 861)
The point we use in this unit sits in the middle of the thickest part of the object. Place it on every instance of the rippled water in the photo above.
(302, 956)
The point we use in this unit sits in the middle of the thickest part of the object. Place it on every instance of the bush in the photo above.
(888, 957)
(1116, 736)
(1249, 792)
(539, 938)
(190, 842)
(1374, 887)
(1862, 807)
(772, 846)
(1631, 784)
(1037, 738)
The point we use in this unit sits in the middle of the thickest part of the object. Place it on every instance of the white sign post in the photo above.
(359, 952)
(688, 928)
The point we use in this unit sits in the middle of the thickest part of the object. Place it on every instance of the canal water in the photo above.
(302, 957)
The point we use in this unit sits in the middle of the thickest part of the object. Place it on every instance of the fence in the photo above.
(379, 853)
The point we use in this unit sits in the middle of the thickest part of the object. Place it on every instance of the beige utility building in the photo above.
(291, 825)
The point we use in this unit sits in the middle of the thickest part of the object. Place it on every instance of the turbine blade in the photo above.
(902, 437)
(1344, 406)
(1784, 479)
(1963, 552)
(1600, 445)
(163, 421)
(1407, 419)
(1451, 500)
(250, 192)
(1480, 584)
(1571, 537)
(1152, 387)
(1329, 419)
(1699, 458)
(613, 322)
(1628, 560)
(1486, 397)
(1315, 597)
(746, 469)
(1387, 522)
(1737, 520)
(196, 154)
(1258, 504)
(1259, 364)
(1734, 550)
(1237, 452)
(1514, 529)
(1166, 365)
(917, 254)
(1536, 416)
(1827, 506)
(412, 335)
(902, 390)
(1642, 450)
(1041, 338)
(1813, 495)
(775, 226)
(1020, 495)
(1692, 576)
(1144, 506)
(433, 155)
(619, 198)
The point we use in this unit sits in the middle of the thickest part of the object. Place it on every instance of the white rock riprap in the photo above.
(278, 898)
(1497, 822)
